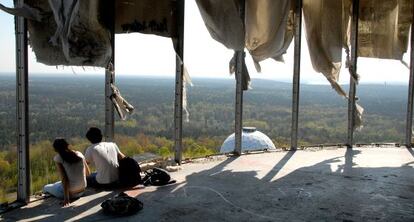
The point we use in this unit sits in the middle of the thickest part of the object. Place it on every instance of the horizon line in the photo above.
(228, 77)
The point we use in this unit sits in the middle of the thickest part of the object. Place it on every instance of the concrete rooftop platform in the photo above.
(362, 184)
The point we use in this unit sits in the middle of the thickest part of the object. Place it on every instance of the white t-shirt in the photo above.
(105, 157)
(74, 171)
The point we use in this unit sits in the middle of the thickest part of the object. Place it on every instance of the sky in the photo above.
(148, 55)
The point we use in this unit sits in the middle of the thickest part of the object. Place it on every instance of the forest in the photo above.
(67, 105)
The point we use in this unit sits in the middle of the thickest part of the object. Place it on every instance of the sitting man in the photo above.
(105, 156)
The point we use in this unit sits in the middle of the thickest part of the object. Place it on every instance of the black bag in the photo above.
(122, 205)
(129, 172)
(157, 177)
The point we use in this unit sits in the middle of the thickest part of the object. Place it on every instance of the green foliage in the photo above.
(164, 152)
(259, 124)
(67, 106)
(194, 148)
(130, 123)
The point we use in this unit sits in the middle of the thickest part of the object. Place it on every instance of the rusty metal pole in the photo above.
(353, 67)
(238, 121)
(22, 109)
(110, 79)
(179, 84)
(409, 126)
(296, 75)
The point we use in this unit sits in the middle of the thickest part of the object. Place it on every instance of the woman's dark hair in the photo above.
(68, 155)
(94, 135)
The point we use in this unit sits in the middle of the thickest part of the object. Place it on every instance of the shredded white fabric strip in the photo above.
(186, 81)
(122, 106)
(25, 11)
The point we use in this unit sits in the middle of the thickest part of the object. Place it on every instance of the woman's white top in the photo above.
(74, 171)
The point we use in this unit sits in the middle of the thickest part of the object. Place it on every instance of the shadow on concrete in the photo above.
(324, 191)
(272, 173)
(314, 193)
(50, 209)
(99, 216)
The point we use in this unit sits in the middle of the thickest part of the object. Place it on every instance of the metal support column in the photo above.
(109, 108)
(353, 70)
(238, 121)
(179, 68)
(296, 75)
(22, 109)
(238, 125)
(110, 79)
(409, 126)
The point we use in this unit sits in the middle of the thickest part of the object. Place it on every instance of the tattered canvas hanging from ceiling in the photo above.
(266, 30)
(78, 33)
(324, 33)
(384, 28)
(147, 16)
(69, 33)
(382, 33)
(269, 29)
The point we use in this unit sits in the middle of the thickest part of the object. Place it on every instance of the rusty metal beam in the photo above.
(22, 109)
(409, 122)
(353, 67)
(296, 75)
(179, 84)
(110, 79)
(238, 119)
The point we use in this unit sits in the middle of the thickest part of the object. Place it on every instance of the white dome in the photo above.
(252, 139)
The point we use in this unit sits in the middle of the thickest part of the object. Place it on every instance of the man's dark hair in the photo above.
(94, 135)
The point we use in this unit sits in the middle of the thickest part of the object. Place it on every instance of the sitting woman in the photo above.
(73, 171)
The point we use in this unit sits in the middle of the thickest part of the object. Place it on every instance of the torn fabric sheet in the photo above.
(268, 26)
(186, 81)
(64, 12)
(146, 17)
(245, 72)
(269, 29)
(185, 102)
(358, 117)
(75, 32)
(327, 26)
(324, 34)
(122, 106)
(384, 28)
(223, 22)
(74, 28)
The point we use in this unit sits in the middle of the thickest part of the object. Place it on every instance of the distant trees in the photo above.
(67, 106)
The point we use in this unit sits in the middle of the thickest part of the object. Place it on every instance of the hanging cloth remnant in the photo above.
(245, 73)
(327, 25)
(159, 19)
(69, 33)
(186, 81)
(121, 105)
(222, 20)
(77, 33)
(266, 31)
(269, 29)
(384, 28)
(324, 33)
(147, 17)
